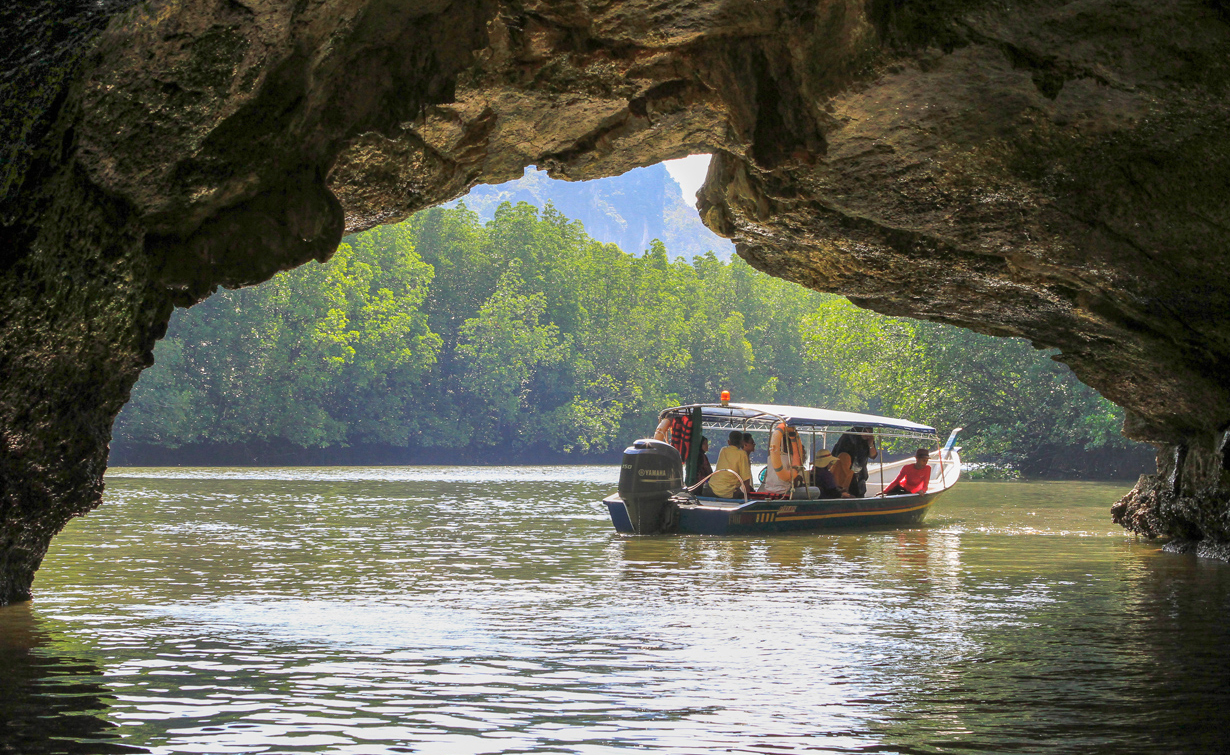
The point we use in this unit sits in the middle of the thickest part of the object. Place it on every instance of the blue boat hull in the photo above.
(716, 516)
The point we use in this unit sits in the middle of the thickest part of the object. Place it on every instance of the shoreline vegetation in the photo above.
(446, 340)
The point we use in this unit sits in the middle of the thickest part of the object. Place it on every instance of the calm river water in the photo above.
(389, 610)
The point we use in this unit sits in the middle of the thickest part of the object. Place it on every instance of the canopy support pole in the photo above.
(807, 479)
(943, 477)
(880, 456)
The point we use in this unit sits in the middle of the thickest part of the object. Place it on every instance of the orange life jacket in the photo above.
(789, 456)
(663, 431)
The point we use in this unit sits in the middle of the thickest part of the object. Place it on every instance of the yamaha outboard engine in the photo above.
(652, 472)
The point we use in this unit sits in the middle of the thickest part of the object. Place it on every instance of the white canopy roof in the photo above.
(764, 416)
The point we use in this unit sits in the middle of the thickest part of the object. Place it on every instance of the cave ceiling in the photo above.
(1050, 170)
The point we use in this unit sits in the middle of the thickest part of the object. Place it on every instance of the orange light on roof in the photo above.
(725, 398)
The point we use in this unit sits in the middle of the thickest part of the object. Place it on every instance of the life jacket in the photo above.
(790, 454)
(680, 434)
(663, 431)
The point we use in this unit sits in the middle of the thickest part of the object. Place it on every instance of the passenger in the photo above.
(734, 458)
(787, 465)
(785, 461)
(822, 476)
(913, 478)
(853, 451)
(703, 467)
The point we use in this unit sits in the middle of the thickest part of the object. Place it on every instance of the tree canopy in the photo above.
(444, 332)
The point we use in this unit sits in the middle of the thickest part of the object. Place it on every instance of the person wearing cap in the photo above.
(822, 476)
(853, 451)
(736, 481)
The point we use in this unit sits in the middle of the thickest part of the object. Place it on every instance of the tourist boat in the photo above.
(659, 491)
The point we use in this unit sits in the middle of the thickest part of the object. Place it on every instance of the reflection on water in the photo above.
(403, 610)
(51, 699)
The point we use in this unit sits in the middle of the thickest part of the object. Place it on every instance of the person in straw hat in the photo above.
(822, 476)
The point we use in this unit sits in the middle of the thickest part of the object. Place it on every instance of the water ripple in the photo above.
(382, 610)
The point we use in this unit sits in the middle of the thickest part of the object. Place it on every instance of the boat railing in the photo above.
(701, 483)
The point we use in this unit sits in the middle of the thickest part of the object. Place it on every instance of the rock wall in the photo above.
(1053, 170)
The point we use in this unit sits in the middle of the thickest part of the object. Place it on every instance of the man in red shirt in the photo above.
(912, 478)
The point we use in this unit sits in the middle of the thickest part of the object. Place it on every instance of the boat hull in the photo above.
(715, 516)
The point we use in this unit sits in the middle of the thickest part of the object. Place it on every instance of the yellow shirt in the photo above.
(734, 458)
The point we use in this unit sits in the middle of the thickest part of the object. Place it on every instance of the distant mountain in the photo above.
(629, 210)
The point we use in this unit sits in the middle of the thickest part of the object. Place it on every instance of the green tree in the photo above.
(503, 348)
(1013, 401)
(317, 356)
(442, 332)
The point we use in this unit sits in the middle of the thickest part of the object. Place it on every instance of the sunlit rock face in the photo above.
(1057, 171)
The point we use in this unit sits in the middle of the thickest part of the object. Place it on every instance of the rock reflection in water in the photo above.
(391, 610)
(51, 701)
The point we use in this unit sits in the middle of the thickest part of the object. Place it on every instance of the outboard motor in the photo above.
(652, 472)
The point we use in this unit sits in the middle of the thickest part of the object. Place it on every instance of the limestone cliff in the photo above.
(1046, 169)
(629, 210)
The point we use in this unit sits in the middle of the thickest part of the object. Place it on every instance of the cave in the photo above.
(1057, 171)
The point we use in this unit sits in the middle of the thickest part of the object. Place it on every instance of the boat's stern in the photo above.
(651, 473)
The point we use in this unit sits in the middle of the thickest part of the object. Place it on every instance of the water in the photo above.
(386, 610)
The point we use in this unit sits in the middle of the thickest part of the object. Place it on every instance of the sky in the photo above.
(689, 172)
